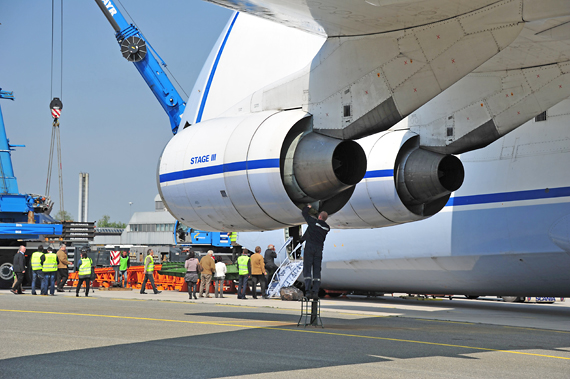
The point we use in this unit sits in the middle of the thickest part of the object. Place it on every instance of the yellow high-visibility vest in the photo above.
(85, 268)
(36, 260)
(242, 265)
(50, 263)
(149, 265)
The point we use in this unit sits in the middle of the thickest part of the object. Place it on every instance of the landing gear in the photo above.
(512, 299)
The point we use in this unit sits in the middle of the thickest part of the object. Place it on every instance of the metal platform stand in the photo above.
(311, 311)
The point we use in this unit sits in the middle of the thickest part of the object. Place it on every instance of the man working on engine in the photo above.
(315, 235)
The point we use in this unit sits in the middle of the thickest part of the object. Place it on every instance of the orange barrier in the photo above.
(105, 277)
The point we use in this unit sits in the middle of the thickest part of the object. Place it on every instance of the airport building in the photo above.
(145, 230)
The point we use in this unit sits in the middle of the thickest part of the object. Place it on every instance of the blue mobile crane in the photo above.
(23, 217)
(134, 49)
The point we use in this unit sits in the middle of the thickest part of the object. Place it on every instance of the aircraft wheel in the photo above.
(6, 275)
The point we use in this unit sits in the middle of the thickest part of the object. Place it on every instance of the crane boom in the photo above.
(134, 49)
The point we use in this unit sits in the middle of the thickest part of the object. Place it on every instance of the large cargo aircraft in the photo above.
(436, 133)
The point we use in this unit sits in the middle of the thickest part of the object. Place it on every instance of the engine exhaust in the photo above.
(424, 177)
(324, 167)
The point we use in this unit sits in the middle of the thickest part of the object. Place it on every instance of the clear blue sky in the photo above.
(112, 126)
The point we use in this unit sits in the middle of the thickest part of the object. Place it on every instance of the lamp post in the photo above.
(130, 210)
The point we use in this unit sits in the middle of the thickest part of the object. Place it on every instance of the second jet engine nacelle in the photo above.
(403, 183)
(254, 172)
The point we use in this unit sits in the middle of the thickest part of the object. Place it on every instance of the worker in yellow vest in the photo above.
(244, 269)
(124, 264)
(148, 272)
(235, 247)
(36, 262)
(84, 273)
(49, 268)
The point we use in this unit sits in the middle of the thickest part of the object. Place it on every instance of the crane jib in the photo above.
(134, 49)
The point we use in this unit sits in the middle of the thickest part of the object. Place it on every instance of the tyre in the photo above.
(6, 275)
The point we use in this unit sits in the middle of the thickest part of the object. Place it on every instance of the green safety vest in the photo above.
(36, 260)
(50, 264)
(150, 265)
(233, 237)
(85, 268)
(123, 264)
(242, 265)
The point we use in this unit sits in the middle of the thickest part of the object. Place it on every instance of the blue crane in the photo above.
(22, 216)
(134, 49)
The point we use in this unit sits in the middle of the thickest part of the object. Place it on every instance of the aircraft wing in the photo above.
(406, 52)
(529, 76)
(354, 17)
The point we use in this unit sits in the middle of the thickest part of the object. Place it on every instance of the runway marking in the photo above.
(523, 328)
(290, 330)
(504, 326)
(383, 357)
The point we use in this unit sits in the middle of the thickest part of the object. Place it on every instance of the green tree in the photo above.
(105, 223)
(63, 216)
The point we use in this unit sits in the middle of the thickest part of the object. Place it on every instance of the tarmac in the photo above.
(131, 335)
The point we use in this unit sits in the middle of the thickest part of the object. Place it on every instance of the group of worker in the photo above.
(257, 268)
(260, 269)
(209, 268)
(51, 269)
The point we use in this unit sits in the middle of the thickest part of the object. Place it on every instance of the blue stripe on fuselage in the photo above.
(212, 73)
(501, 197)
(378, 174)
(219, 169)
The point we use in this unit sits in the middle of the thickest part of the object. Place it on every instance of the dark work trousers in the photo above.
(270, 268)
(19, 280)
(37, 275)
(87, 285)
(191, 289)
(312, 260)
(242, 286)
(148, 277)
(62, 275)
(254, 280)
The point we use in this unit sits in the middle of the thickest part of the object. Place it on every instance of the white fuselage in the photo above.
(506, 231)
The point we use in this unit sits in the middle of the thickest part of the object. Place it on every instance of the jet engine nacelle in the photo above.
(254, 172)
(403, 183)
